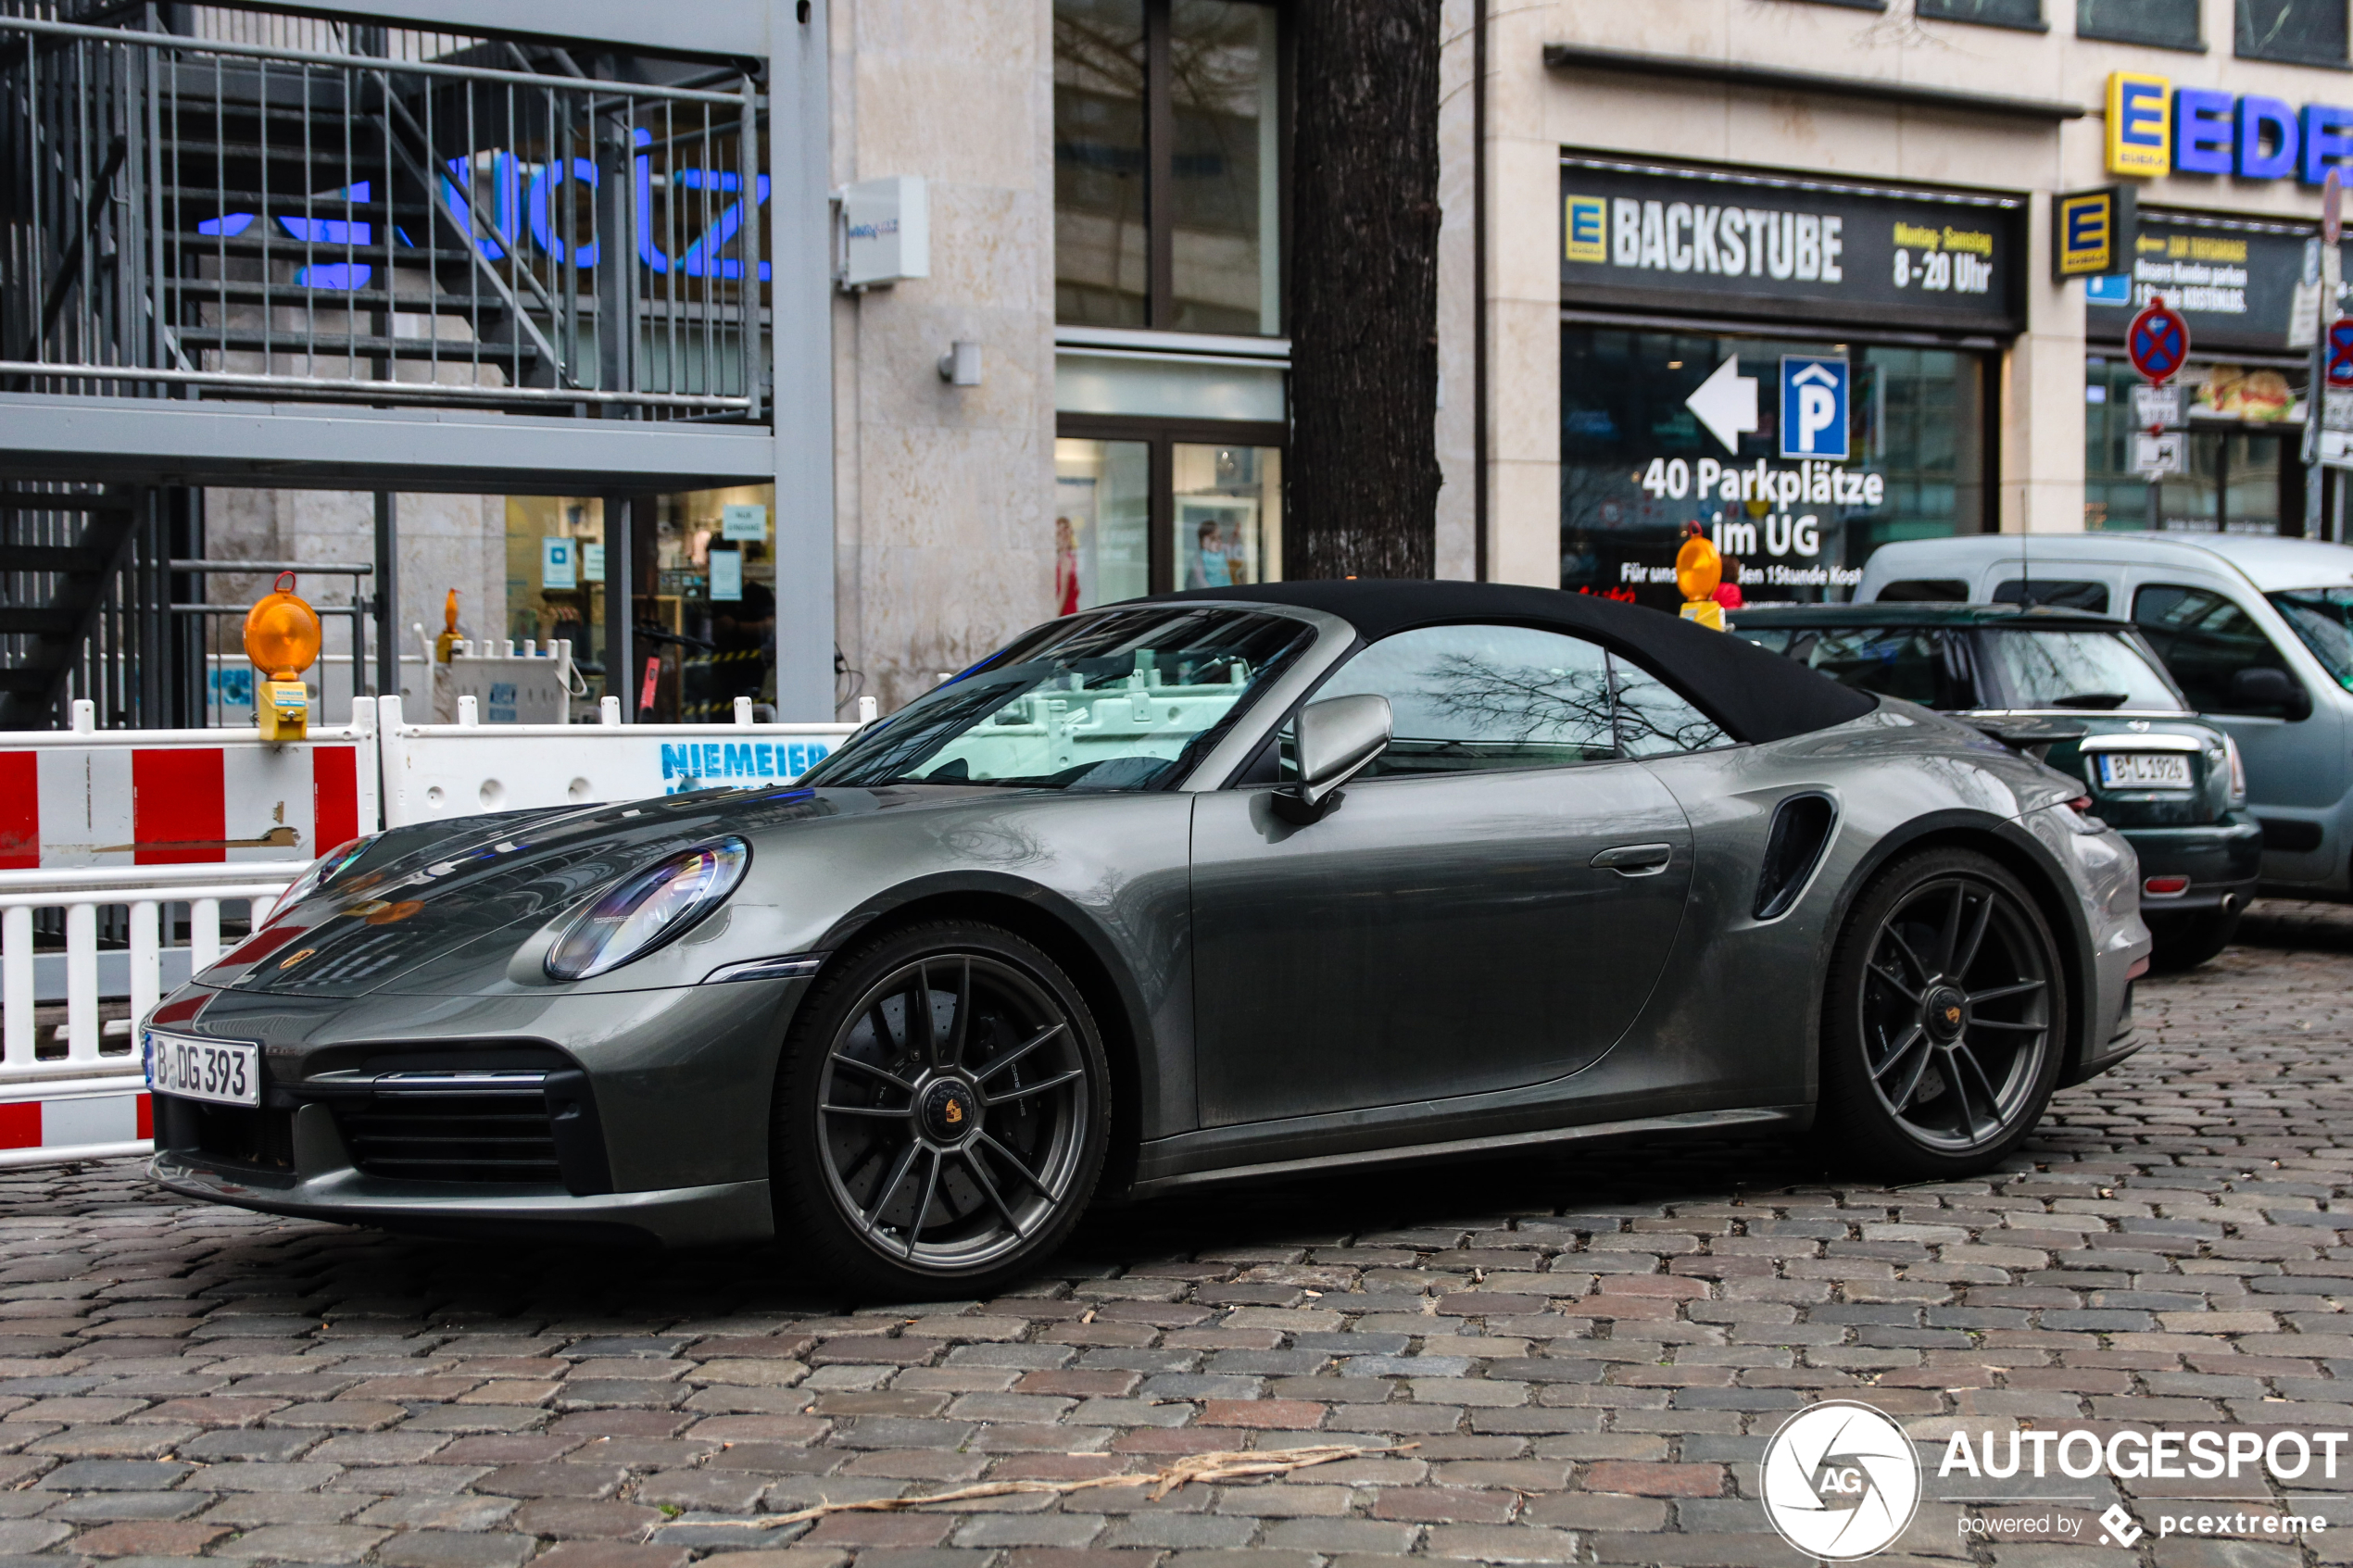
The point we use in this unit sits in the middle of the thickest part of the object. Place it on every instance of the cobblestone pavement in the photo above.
(1573, 1360)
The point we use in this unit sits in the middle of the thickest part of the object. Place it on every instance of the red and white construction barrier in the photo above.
(163, 797)
(81, 1092)
(89, 1119)
(145, 820)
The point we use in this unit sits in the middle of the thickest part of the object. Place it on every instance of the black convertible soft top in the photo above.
(1756, 696)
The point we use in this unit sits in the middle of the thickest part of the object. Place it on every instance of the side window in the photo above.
(1924, 590)
(1475, 698)
(1914, 665)
(2064, 593)
(1653, 719)
(1478, 699)
(2204, 639)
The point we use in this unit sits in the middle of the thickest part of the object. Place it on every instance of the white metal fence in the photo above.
(71, 1088)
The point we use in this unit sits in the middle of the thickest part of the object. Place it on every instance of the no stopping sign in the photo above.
(2159, 342)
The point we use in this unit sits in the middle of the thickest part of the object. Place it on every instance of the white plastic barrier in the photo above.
(123, 798)
(458, 770)
(510, 686)
(80, 1094)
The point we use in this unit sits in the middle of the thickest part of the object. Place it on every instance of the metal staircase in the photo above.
(85, 595)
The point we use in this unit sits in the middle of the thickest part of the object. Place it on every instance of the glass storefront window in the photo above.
(2172, 24)
(2298, 32)
(1228, 515)
(1102, 527)
(1103, 258)
(1167, 209)
(709, 617)
(1997, 13)
(2243, 474)
(1222, 64)
(556, 580)
(712, 614)
(1637, 465)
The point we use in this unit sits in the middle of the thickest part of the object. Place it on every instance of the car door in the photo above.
(2296, 768)
(1487, 907)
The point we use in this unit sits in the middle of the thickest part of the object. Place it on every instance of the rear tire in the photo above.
(941, 1114)
(1945, 1019)
(2185, 941)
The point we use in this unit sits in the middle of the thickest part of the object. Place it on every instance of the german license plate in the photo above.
(2143, 770)
(225, 1072)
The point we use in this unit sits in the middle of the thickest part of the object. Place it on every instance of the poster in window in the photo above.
(557, 566)
(726, 574)
(1217, 540)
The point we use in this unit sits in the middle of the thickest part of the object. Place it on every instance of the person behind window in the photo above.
(1212, 566)
(1066, 567)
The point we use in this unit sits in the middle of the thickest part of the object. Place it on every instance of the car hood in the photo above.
(439, 897)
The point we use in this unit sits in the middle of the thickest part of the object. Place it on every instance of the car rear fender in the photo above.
(2026, 858)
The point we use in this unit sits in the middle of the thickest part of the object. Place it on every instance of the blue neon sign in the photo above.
(518, 205)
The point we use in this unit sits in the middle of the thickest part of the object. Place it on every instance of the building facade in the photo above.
(1790, 183)
(1781, 268)
(1637, 199)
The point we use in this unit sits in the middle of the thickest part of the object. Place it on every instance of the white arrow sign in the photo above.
(1726, 404)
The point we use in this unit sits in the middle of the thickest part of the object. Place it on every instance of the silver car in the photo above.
(2257, 632)
(1190, 889)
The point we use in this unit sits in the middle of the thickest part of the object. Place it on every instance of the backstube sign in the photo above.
(1652, 238)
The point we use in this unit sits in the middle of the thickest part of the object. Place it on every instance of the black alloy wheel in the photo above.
(942, 1112)
(1945, 1018)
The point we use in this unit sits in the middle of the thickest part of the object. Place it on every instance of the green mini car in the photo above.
(2088, 696)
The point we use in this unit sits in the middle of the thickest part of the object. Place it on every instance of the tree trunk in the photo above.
(1363, 487)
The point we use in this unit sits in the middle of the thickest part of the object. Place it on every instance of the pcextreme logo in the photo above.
(1840, 1481)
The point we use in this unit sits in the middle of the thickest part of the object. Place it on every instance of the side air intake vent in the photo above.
(1801, 827)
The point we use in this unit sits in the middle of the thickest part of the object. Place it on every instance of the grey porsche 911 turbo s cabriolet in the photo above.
(1209, 886)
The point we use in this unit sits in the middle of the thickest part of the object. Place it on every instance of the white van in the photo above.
(2258, 632)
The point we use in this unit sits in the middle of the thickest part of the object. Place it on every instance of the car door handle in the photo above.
(1636, 859)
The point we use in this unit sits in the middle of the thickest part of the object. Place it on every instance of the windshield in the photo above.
(2323, 618)
(1118, 700)
(1908, 662)
(2097, 672)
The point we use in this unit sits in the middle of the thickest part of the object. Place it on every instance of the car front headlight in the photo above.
(323, 870)
(646, 909)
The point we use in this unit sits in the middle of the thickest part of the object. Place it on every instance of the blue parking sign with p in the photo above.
(1813, 406)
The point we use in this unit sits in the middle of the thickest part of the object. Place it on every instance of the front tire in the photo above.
(1945, 1019)
(941, 1113)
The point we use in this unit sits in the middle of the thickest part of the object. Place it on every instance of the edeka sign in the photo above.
(1652, 238)
(2154, 130)
(2233, 282)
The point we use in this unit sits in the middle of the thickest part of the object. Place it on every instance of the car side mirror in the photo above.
(2266, 686)
(1339, 737)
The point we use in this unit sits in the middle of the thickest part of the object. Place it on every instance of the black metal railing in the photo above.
(246, 217)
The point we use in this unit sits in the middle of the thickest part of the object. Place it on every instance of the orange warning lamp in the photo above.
(447, 643)
(281, 638)
(1698, 570)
